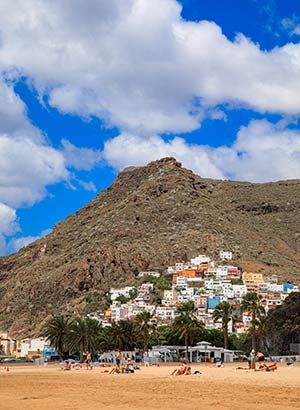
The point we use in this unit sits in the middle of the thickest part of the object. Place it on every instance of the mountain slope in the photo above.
(150, 217)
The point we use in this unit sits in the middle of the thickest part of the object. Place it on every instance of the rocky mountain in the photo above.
(149, 218)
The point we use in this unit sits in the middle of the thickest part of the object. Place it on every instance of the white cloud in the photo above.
(29, 164)
(2, 245)
(87, 185)
(138, 65)
(266, 152)
(126, 150)
(262, 152)
(8, 220)
(80, 158)
(26, 168)
(8, 225)
(13, 119)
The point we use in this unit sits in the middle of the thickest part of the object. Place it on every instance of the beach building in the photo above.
(206, 352)
(8, 345)
(34, 347)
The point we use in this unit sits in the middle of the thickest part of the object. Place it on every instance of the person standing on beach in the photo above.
(260, 357)
(118, 358)
(88, 360)
(252, 357)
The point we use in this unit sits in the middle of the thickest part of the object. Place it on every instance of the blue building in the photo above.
(213, 301)
(287, 286)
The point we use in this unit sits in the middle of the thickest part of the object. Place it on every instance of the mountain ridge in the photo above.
(149, 218)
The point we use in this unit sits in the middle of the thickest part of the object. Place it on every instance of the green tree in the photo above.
(83, 336)
(252, 303)
(224, 312)
(144, 328)
(185, 324)
(122, 335)
(56, 331)
(262, 330)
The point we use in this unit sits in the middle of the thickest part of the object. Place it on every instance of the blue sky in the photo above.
(90, 87)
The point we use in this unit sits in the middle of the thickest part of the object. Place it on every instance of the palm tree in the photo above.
(83, 335)
(224, 312)
(186, 323)
(128, 329)
(122, 335)
(252, 303)
(144, 328)
(262, 330)
(56, 331)
(104, 340)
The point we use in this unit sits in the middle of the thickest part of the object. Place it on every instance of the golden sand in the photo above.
(48, 388)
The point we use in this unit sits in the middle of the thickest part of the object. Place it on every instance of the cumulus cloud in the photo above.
(29, 164)
(127, 149)
(8, 225)
(8, 220)
(26, 168)
(265, 152)
(80, 158)
(262, 152)
(140, 65)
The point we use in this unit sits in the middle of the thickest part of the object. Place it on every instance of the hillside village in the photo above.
(201, 280)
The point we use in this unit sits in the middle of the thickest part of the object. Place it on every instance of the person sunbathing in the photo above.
(268, 368)
(218, 363)
(184, 369)
(66, 367)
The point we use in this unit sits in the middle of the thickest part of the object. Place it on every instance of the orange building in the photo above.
(190, 273)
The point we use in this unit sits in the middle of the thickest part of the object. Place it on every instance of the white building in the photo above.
(198, 260)
(225, 255)
(170, 297)
(239, 291)
(146, 287)
(115, 293)
(165, 313)
(186, 295)
(34, 346)
(246, 318)
(119, 312)
(182, 282)
(274, 287)
(179, 266)
(7, 344)
(150, 273)
(222, 272)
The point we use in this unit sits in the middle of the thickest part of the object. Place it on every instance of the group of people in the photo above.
(262, 365)
(121, 368)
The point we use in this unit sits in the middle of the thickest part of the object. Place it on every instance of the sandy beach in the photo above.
(48, 388)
